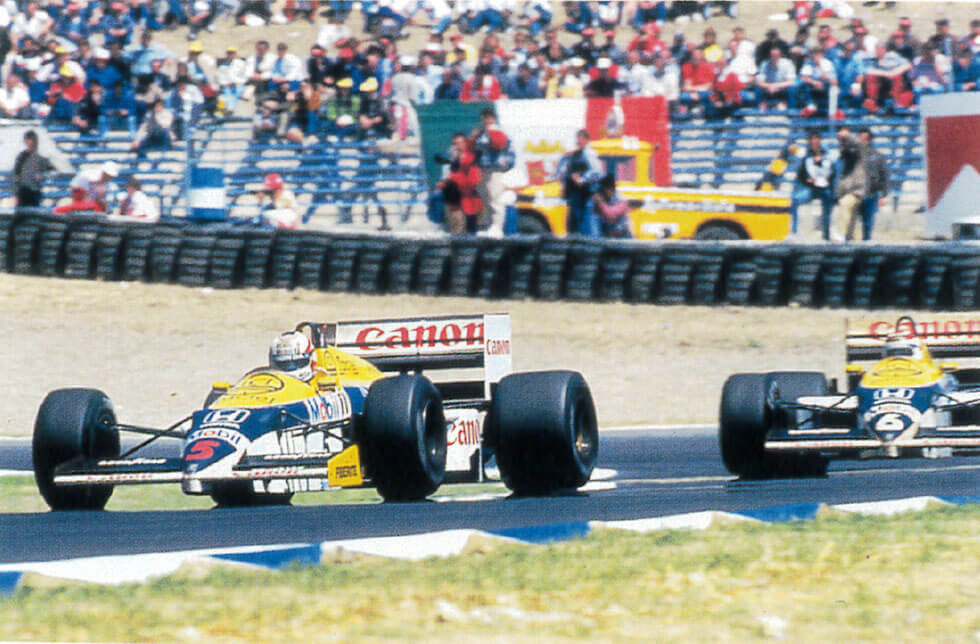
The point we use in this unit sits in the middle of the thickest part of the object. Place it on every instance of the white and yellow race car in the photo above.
(905, 404)
(271, 434)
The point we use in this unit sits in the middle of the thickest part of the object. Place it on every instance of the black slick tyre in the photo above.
(404, 437)
(743, 424)
(73, 424)
(545, 429)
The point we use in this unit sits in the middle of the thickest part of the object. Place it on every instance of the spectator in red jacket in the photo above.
(697, 82)
(483, 86)
(81, 200)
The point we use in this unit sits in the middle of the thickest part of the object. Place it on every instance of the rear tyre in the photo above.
(242, 494)
(73, 423)
(404, 441)
(545, 428)
(531, 224)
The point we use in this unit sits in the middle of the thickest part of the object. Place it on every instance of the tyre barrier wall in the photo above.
(936, 276)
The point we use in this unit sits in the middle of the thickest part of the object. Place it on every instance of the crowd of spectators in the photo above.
(94, 66)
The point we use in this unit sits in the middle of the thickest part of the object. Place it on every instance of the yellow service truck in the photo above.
(658, 212)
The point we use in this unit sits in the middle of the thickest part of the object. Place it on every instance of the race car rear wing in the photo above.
(948, 335)
(426, 343)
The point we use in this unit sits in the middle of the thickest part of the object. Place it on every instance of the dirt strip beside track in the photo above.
(155, 349)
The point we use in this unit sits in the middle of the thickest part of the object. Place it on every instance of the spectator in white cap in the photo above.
(101, 71)
(604, 85)
(403, 86)
(101, 181)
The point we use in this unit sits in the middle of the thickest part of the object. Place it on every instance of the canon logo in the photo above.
(374, 338)
(880, 329)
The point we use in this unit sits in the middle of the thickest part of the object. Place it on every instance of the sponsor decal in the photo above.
(133, 461)
(464, 431)
(420, 336)
(886, 393)
(122, 477)
(962, 329)
(259, 384)
(498, 347)
(202, 450)
(222, 432)
(232, 418)
(344, 469)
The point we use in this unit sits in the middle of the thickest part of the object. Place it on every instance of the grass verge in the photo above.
(842, 577)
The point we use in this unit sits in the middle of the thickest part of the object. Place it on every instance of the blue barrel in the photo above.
(206, 200)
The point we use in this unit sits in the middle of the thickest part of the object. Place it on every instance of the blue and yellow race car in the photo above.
(326, 412)
(906, 404)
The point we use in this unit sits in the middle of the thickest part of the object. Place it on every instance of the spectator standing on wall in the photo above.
(877, 170)
(852, 185)
(814, 180)
(579, 171)
(29, 170)
(494, 157)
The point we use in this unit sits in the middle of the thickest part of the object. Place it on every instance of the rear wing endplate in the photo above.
(427, 343)
(948, 335)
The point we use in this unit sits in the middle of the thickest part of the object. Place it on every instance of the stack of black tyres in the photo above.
(194, 259)
(463, 272)
(741, 272)
(51, 246)
(26, 231)
(835, 275)
(372, 265)
(164, 250)
(582, 270)
(643, 278)
(935, 289)
(311, 264)
(6, 241)
(965, 274)
(257, 255)
(110, 252)
(492, 271)
(676, 269)
(522, 263)
(615, 267)
(228, 258)
(772, 284)
(80, 249)
(804, 271)
(898, 276)
(865, 289)
(342, 263)
(402, 266)
(434, 266)
(552, 260)
(706, 281)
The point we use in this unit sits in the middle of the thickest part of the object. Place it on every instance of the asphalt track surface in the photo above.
(657, 472)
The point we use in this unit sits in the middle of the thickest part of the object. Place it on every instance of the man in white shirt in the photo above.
(286, 67)
(635, 75)
(665, 80)
(776, 80)
(14, 101)
(258, 67)
(231, 78)
(818, 79)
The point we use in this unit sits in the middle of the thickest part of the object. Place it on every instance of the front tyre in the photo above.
(743, 425)
(73, 424)
(546, 431)
(404, 440)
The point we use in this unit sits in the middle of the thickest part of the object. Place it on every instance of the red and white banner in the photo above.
(951, 124)
(543, 130)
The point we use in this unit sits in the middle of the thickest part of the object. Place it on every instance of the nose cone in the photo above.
(202, 453)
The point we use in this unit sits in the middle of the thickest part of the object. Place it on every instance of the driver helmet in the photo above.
(292, 353)
(900, 346)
